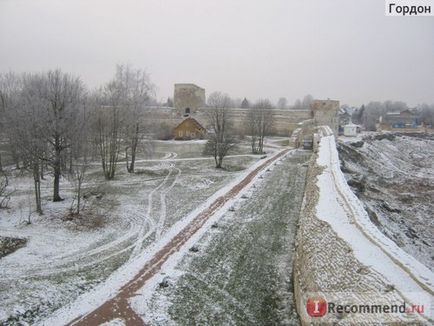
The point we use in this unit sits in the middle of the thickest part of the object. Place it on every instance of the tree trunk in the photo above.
(133, 160)
(56, 187)
(134, 144)
(37, 183)
(253, 144)
(130, 167)
(1, 166)
(127, 160)
(261, 144)
(42, 170)
(57, 172)
(219, 162)
(14, 154)
(79, 195)
(113, 148)
(71, 163)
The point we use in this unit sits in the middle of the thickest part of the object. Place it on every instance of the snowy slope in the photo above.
(339, 207)
(393, 175)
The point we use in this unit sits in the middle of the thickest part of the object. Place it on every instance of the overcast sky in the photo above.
(341, 49)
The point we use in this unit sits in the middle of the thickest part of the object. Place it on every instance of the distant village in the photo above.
(354, 120)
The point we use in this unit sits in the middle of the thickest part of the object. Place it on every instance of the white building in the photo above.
(350, 129)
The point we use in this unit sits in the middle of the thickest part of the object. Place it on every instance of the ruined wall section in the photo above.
(188, 96)
(325, 113)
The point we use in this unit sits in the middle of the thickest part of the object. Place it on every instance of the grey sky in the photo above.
(340, 49)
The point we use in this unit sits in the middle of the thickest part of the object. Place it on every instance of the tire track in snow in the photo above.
(163, 188)
(118, 306)
(83, 257)
(163, 213)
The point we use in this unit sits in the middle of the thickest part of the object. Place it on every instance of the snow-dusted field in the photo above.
(65, 258)
(239, 270)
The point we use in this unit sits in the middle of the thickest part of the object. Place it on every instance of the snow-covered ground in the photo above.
(239, 270)
(110, 288)
(339, 207)
(64, 258)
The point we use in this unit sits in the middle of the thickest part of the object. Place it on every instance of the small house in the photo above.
(406, 119)
(189, 129)
(350, 130)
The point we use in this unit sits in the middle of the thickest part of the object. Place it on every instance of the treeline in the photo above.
(51, 122)
(369, 114)
(281, 104)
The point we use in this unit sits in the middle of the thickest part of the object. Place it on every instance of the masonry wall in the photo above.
(325, 264)
(325, 113)
(188, 96)
(286, 121)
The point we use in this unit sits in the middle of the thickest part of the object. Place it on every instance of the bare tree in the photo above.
(118, 117)
(427, 114)
(5, 193)
(221, 138)
(282, 103)
(260, 123)
(252, 128)
(371, 113)
(106, 124)
(136, 90)
(10, 87)
(80, 151)
(304, 104)
(22, 112)
(307, 100)
(60, 95)
(297, 105)
(28, 131)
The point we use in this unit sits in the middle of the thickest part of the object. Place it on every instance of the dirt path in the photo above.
(118, 306)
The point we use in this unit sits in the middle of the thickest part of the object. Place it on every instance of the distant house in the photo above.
(406, 119)
(351, 130)
(189, 129)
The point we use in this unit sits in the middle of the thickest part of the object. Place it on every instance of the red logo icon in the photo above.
(316, 307)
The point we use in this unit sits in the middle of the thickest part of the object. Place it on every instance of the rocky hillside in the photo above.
(393, 175)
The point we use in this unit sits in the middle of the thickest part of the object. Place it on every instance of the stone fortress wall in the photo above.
(325, 265)
(325, 113)
(192, 97)
(187, 98)
(286, 121)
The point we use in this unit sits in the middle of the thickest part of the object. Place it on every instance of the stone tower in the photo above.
(325, 113)
(188, 98)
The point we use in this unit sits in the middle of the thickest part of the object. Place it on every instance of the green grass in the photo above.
(242, 273)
